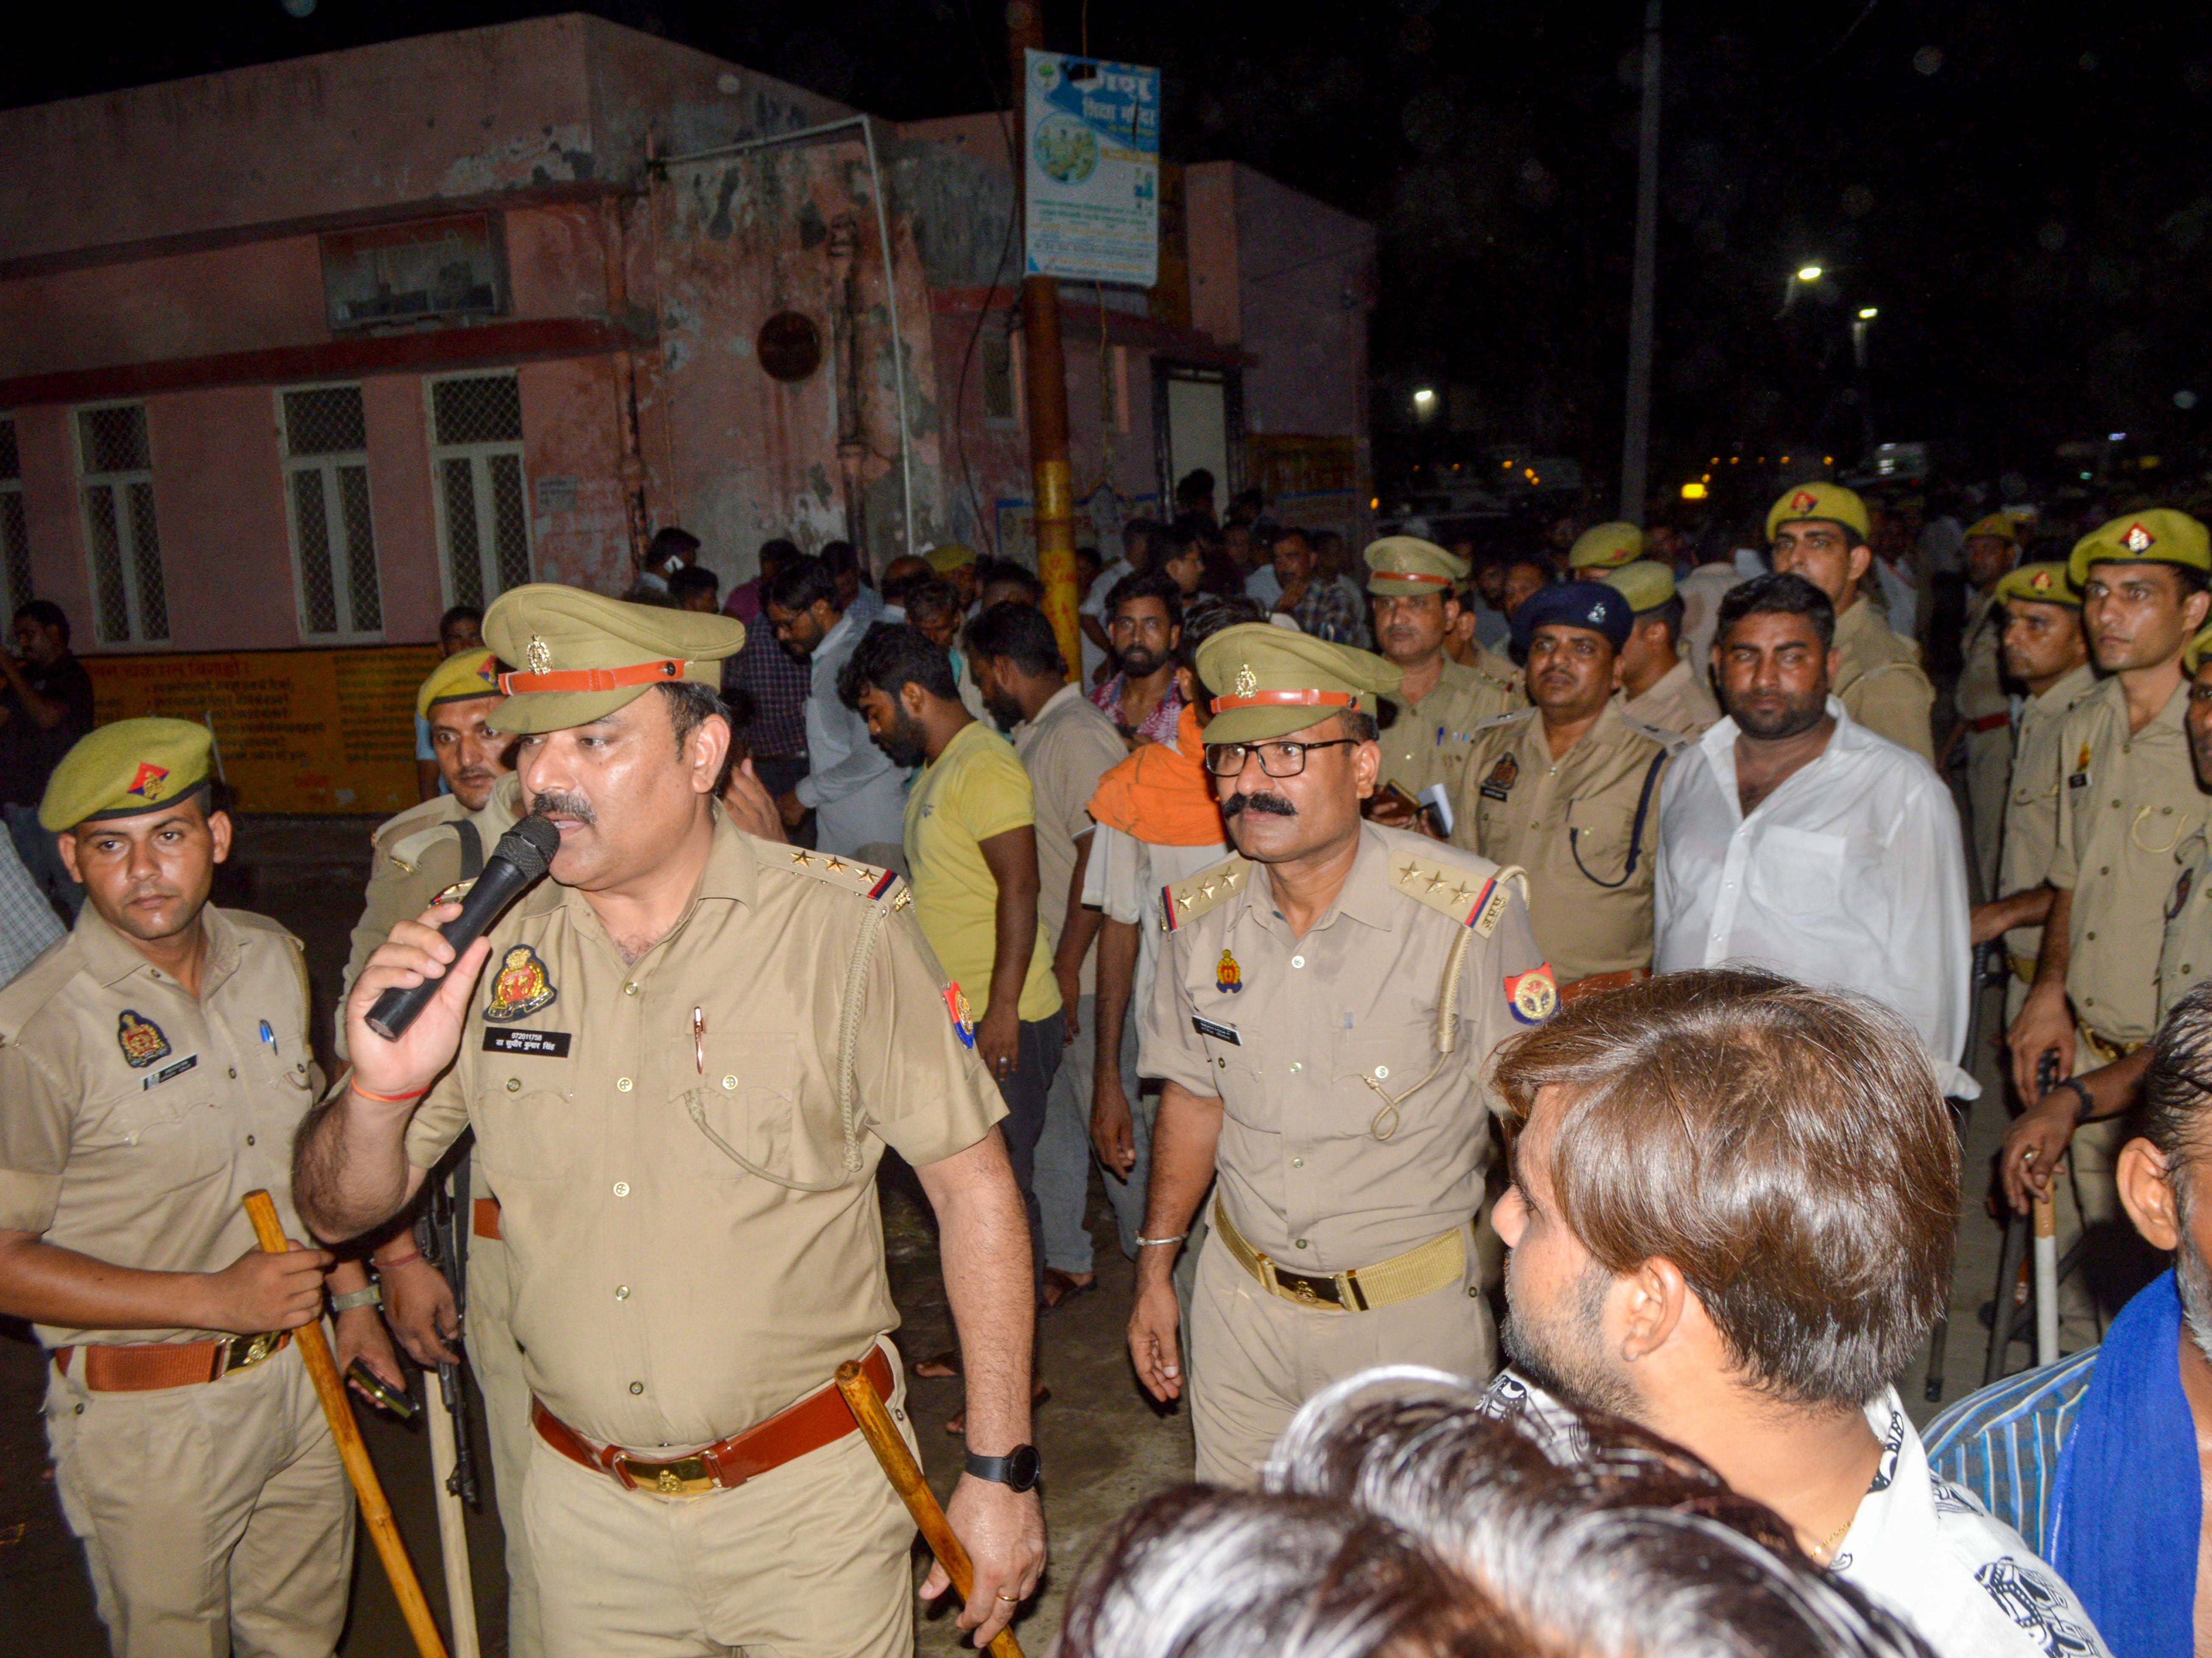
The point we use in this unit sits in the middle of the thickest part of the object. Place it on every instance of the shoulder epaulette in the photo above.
(1473, 896)
(1186, 901)
(1491, 722)
(1673, 742)
(438, 810)
(407, 852)
(849, 874)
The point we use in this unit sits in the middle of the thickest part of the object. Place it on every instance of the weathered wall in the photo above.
(1304, 283)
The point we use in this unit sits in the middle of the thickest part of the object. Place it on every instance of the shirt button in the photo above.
(622, 1084)
(1297, 961)
(2106, 870)
(1297, 1162)
(729, 1081)
(233, 1073)
(1382, 1071)
(249, 1138)
(1297, 1066)
(1301, 1243)
(514, 1085)
(622, 1293)
(629, 990)
(622, 1189)
(637, 1386)
(2090, 935)
(1224, 1064)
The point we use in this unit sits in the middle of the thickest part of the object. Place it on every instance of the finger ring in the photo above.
(1012, 1600)
(2028, 1155)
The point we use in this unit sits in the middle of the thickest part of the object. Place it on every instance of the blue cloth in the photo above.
(2129, 1499)
(2004, 1443)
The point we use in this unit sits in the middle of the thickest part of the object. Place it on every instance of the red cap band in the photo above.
(1286, 700)
(594, 679)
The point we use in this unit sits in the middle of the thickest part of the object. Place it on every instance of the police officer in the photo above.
(2044, 651)
(1820, 531)
(1605, 547)
(1658, 685)
(1984, 723)
(423, 856)
(153, 1066)
(1325, 1007)
(1438, 702)
(2130, 802)
(1568, 790)
(681, 1068)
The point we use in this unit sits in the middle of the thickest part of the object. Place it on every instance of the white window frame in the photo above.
(126, 532)
(340, 550)
(479, 457)
(11, 488)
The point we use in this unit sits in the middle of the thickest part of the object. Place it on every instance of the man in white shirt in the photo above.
(1795, 838)
(858, 796)
(1732, 1223)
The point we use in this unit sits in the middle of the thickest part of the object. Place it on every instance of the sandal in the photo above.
(1060, 1286)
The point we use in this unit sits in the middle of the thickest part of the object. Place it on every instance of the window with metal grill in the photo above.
(476, 485)
(15, 533)
(115, 486)
(325, 434)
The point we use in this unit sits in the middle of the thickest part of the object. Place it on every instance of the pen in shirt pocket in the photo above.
(269, 1036)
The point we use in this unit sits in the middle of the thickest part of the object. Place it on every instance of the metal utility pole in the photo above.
(1643, 297)
(1045, 378)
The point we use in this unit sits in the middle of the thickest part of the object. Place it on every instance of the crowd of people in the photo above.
(1281, 911)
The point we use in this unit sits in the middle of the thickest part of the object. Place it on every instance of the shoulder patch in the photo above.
(1186, 901)
(848, 874)
(1473, 897)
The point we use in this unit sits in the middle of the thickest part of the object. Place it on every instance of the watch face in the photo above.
(1022, 1467)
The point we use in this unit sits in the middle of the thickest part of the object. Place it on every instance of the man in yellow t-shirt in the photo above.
(972, 865)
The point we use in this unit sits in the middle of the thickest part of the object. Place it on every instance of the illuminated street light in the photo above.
(1425, 399)
(1809, 273)
(1693, 491)
(1868, 313)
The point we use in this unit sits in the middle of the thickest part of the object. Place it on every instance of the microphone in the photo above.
(523, 854)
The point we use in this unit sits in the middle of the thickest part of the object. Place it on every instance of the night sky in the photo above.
(2021, 187)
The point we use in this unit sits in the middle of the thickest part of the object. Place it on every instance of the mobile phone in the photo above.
(381, 1394)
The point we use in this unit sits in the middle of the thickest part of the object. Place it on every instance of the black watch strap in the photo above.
(2074, 1085)
(1018, 1470)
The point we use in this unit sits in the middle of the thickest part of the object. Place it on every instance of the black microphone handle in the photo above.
(399, 1007)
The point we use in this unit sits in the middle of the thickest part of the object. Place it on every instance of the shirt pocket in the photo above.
(1378, 1078)
(1596, 833)
(1800, 872)
(753, 1114)
(169, 1136)
(527, 1132)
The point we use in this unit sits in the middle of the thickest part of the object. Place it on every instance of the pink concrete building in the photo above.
(296, 355)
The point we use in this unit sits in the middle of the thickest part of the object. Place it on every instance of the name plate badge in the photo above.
(545, 1044)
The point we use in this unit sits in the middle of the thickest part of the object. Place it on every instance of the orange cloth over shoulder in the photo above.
(1163, 794)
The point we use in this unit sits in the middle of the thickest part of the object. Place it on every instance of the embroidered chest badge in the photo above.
(1532, 995)
(140, 1038)
(1503, 776)
(1228, 977)
(964, 1020)
(522, 987)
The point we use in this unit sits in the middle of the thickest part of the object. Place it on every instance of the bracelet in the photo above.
(385, 1099)
(1154, 1243)
(386, 1264)
(372, 1296)
(2073, 1086)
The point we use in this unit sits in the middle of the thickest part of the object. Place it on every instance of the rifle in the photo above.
(441, 1234)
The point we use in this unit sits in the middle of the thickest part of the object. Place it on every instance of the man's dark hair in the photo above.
(460, 613)
(740, 708)
(891, 656)
(780, 550)
(1779, 593)
(932, 598)
(799, 581)
(1153, 583)
(1140, 529)
(695, 578)
(690, 704)
(1703, 1117)
(1197, 482)
(842, 556)
(47, 614)
(897, 589)
(1005, 573)
(2177, 1109)
(667, 541)
(1671, 613)
(1018, 634)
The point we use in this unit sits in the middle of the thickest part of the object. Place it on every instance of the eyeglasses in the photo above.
(1276, 759)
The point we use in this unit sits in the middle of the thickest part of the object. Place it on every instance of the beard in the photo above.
(1140, 661)
(1004, 709)
(1789, 718)
(905, 743)
(1564, 1353)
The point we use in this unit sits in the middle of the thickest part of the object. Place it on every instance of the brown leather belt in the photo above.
(1989, 722)
(142, 1367)
(821, 1418)
(484, 1222)
(1598, 983)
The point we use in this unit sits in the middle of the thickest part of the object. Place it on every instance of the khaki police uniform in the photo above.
(1878, 680)
(1678, 701)
(2030, 822)
(684, 1148)
(195, 1466)
(1354, 1141)
(1986, 712)
(1423, 740)
(1585, 827)
(2185, 956)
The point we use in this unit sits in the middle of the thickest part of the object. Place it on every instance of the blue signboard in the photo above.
(1092, 132)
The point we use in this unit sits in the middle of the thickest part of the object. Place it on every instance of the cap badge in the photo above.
(539, 655)
(147, 785)
(522, 987)
(140, 1038)
(2040, 581)
(1803, 501)
(2138, 539)
(1247, 681)
(488, 671)
(1228, 977)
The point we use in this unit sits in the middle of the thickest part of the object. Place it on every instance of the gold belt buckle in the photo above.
(242, 1352)
(1300, 1286)
(687, 1476)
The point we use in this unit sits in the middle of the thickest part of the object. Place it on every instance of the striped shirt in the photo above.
(2003, 1444)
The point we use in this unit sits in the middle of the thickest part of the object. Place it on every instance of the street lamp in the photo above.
(1868, 313)
(1424, 401)
(1809, 273)
(1859, 326)
(1804, 276)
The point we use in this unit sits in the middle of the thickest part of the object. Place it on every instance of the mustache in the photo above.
(1274, 805)
(558, 803)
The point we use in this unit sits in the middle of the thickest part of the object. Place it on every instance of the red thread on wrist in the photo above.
(396, 1260)
(387, 1099)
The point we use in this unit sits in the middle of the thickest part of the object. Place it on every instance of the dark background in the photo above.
(2021, 187)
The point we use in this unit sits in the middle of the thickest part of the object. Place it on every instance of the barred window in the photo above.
(477, 487)
(326, 436)
(115, 483)
(14, 534)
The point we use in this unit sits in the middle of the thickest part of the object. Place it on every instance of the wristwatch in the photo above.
(2073, 1086)
(372, 1296)
(1018, 1470)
